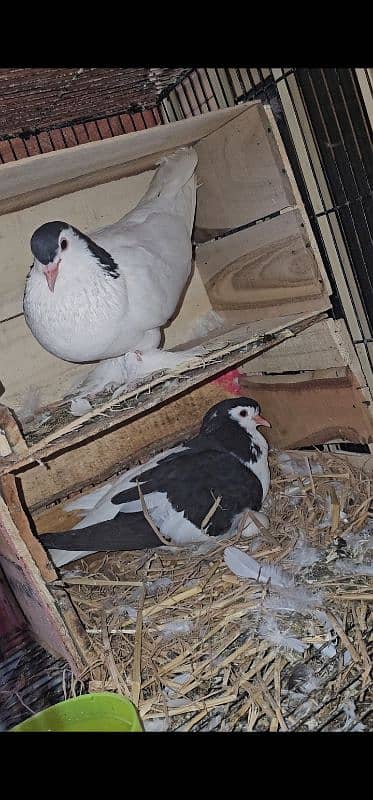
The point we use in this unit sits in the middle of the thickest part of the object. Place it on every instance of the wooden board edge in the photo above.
(234, 355)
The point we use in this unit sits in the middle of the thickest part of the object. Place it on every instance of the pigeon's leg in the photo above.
(159, 360)
(150, 341)
(106, 375)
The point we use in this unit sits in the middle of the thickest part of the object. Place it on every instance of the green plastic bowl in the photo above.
(103, 711)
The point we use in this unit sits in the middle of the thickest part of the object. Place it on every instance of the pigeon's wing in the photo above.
(178, 491)
(191, 481)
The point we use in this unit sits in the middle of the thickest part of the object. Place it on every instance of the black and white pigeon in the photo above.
(228, 459)
(99, 297)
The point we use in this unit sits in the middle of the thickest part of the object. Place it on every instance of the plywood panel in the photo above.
(32, 594)
(88, 210)
(223, 351)
(194, 304)
(31, 181)
(241, 178)
(312, 408)
(262, 268)
(324, 346)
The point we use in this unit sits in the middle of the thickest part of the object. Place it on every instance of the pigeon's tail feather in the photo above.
(176, 181)
(124, 532)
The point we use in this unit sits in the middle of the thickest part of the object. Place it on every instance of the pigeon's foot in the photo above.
(107, 375)
(141, 365)
(128, 371)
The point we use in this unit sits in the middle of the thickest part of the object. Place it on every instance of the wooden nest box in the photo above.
(256, 265)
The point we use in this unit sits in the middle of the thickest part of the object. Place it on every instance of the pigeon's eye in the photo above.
(243, 413)
(63, 244)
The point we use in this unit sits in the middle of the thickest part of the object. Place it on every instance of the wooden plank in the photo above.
(11, 496)
(324, 346)
(262, 269)
(87, 209)
(312, 408)
(11, 436)
(11, 617)
(241, 179)
(30, 181)
(225, 351)
(281, 154)
(33, 596)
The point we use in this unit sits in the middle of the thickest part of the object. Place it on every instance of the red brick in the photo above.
(116, 126)
(68, 135)
(93, 132)
(57, 139)
(151, 119)
(6, 151)
(127, 123)
(81, 133)
(45, 142)
(19, 148)
(138, 121)
(32, 146)
(104, 128)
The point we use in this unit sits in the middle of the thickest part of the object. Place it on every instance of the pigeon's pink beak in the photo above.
(261, 421)
(51, 272)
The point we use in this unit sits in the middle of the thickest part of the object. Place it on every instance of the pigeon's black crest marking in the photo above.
(44, 241)
(44, 246)
(106, 260)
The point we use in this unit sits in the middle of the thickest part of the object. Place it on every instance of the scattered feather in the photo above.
(293, 598)
(245, 566)
(177, 627)
(271, 631)
(351, 723)
(297, 465)
(152, 587)
(79, 406)
(346, 567)
(155, 725)
(303, 555)
(252, 528)
(30, 405)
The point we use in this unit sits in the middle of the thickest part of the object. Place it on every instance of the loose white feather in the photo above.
(244, 566)
(270, 630)
(80, 406)
(303, 555)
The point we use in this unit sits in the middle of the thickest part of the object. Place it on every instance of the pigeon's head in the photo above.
(243, 411)
(62, 251)
(50, 245)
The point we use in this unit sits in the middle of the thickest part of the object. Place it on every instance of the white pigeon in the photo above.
(105, 297)
(227, 460)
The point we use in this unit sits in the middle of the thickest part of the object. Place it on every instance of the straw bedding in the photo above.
(199, 648)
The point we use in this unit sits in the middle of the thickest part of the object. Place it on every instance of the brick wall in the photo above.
(72, 135)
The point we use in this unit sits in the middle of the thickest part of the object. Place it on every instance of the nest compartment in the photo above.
(184, 637)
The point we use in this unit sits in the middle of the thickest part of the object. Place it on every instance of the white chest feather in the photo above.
(261, 468)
